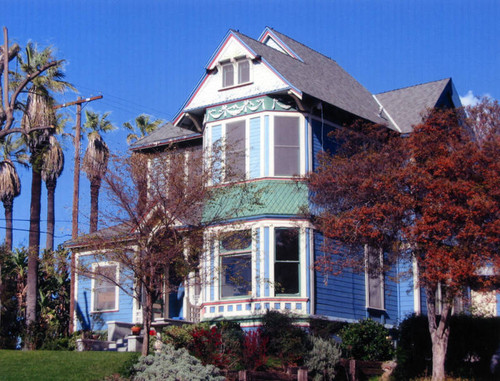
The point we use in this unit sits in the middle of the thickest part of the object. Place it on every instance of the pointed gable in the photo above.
(233, 50)
(405, 107)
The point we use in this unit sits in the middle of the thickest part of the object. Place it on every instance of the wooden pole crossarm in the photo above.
(79, 101)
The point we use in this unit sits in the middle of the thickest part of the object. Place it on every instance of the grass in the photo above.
(62, 365)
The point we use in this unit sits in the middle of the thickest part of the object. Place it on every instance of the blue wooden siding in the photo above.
(89, 320)
(320, 140)
(267, 143)
(254, 153)
(405, 291)
(344, 296)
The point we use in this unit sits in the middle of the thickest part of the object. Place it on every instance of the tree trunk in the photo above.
(94, 204)
(439, 332)
(51, 190)
(34, 247)
(8, 205)
(147, 309)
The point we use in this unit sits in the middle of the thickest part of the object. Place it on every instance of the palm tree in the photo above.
(95, 160)
(37, 121)
(52, 166)
(143, 126)
(10, 186)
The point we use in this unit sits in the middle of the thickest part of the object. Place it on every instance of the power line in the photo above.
(40, 232)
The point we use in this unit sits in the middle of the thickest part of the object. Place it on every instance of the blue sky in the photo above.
(147, 56)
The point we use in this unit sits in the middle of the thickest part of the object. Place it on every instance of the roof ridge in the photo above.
(417, 85)
(304, 45)
(261, 43)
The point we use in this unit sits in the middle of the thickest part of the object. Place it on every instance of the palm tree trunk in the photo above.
(95, 185)
(34, 246)
(51, 190)
(8, 204)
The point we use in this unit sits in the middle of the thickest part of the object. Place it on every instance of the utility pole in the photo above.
(76, 194)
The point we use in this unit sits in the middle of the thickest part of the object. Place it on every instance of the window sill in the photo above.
(103, 311)
(236, 86)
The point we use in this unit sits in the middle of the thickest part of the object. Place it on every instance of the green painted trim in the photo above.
(245, 107)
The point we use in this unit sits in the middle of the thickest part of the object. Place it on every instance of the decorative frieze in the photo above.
(248, 106)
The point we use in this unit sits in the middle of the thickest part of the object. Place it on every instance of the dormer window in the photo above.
(235, 73)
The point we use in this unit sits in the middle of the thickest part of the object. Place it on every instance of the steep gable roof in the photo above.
(317, 75)
(406, 107)
(165, 134)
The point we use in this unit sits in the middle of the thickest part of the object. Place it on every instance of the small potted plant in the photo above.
(136, 329)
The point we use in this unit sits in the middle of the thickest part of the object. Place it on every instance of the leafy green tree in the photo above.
(95, 161)
(11, 151)
(38, 118)
(143, 126)
(52, 167)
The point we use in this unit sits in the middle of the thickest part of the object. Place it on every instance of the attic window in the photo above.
(235, 73)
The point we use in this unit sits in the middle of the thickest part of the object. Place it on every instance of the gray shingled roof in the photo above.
(165, 134)
(318, 76)
(406, 106)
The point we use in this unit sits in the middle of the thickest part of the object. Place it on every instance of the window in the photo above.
(236, 264)
(105, 287)
(286, 146)
(374, 279)
(242, 70)
(286, 266)
(227, 75)
(235, 150)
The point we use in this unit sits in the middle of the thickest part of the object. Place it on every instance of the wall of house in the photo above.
(89, 319)
(343, 296)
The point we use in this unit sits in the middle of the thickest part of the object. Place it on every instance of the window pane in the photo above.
(236, 275)
(227, 75)
(286, 131)
(235, 150)
(374, 279)
(287, 244)
(105, 288)
(286, 161)
(238, 240)
(243, 72)
(286, 277)
(286, 146)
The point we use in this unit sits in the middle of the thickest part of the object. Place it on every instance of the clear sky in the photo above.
(147, 56)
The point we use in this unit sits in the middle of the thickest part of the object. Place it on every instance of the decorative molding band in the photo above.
(247, 106)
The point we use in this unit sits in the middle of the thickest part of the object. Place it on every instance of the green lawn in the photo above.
(62, 365)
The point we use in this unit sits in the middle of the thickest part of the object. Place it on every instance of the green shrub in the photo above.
(322, 359)
(325, 328)
(472, 342)
(181, 336)
(232, 342)
(285, 340)
(175, 365)
(414, 352)
(366, 340)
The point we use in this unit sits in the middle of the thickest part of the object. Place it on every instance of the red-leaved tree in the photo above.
(431, 197)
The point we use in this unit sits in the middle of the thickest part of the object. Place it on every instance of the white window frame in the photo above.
(298, 261)
(235, 64)
(93, 286)
(235, 253)
(381, 280)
